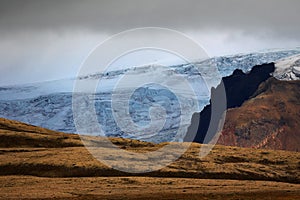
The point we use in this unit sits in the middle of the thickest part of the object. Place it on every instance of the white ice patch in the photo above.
(288, 68)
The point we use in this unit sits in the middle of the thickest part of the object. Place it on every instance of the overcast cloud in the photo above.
(41, 40)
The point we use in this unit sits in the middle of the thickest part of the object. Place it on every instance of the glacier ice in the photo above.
(288, 68)
(49, 104)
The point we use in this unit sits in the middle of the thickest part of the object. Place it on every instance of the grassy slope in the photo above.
(30, 150)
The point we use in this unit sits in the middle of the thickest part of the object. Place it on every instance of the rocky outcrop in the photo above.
(262, 112)
(239, 87)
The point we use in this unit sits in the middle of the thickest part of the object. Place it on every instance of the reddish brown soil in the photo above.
(268, 120)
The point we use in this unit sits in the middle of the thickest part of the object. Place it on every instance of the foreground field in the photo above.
(36, 163)
(221, 163)
(27, 187)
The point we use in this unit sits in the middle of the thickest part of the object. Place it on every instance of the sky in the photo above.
(50, 39)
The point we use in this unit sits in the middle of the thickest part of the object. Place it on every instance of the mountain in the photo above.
(262, 111)
(49, 104)
(269, 119)
(238, 88)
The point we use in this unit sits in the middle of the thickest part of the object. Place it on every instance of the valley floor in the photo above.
(30, 187)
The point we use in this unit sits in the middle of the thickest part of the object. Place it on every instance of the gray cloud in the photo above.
(277, 16)
(48, 39)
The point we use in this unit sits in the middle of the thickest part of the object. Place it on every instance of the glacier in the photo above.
(288, 68)
(49, 104)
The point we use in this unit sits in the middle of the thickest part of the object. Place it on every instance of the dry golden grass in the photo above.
(39, 163)
(88, 188)
(221, 163)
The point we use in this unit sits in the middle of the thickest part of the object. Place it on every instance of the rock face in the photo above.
(262, 112)
(270, 119)
(239, 87)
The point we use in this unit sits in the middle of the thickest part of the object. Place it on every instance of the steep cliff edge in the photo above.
(262, 112)
(239, 87)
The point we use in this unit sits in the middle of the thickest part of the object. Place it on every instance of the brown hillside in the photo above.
(37, 163)
(18, 134)
(269, 120)
(46, 153)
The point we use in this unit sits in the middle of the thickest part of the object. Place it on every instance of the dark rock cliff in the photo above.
(239, 87)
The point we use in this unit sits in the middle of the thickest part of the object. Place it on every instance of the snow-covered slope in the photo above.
(49, 104)
(288, 68)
